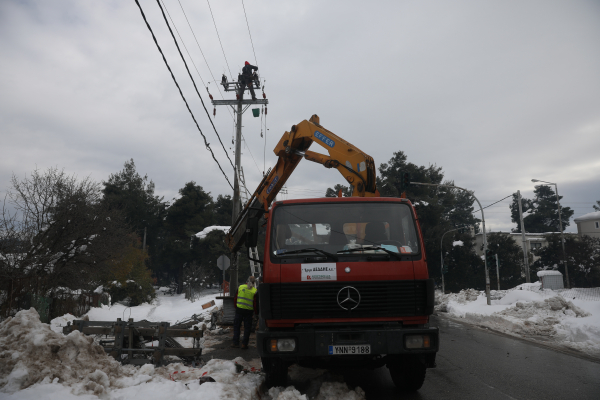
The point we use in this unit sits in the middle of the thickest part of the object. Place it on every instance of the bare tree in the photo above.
(55, 234)
(196, 277)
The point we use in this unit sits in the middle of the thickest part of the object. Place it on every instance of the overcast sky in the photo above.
(496, 93)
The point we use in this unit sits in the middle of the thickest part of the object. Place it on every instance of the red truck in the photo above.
(344, 279)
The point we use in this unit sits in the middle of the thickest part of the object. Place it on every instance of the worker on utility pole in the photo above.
(247, 79)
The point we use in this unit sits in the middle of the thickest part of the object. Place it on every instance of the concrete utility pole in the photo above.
(525, 257)
(442, 255)
(144, 245)
(562, 236)
(498, 270)
(487, 275)
(239, 107)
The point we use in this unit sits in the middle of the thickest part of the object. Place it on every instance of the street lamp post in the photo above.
(562, 237)
(442, 255)
(487, 275)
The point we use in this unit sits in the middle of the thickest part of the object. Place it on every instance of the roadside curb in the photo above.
(537, 342)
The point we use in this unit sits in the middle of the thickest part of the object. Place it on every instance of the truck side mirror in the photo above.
(252, 231)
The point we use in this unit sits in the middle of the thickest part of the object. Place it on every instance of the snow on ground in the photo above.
(57, 323)
(567, 318)
(39, 362)
(164, 308)
(317, 384)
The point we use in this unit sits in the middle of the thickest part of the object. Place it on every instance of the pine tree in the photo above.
(134, 194)
(439, 209)
(597, 205)
(223, 210)
(188, 215)
(510, 257)
(583, 259)
(541, 213)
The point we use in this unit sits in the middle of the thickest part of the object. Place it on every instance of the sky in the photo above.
(496, 93)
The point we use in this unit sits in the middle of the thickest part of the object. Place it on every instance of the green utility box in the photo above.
(256, 112)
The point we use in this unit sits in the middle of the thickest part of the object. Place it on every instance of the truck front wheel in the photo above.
(408, 375)
(276, 371)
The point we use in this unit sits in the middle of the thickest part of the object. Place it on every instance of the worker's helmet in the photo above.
(247, 63)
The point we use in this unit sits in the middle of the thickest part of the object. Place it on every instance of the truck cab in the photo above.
(345, 284)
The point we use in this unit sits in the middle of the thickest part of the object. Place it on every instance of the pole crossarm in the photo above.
(487, 276)
(236, 102)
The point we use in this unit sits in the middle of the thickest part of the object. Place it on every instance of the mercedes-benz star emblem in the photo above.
(348, 298)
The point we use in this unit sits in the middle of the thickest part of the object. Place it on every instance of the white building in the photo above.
(589, 224)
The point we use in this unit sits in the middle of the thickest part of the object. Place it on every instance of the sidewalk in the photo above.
(218, 346)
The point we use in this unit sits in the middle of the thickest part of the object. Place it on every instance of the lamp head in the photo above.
(534, 180)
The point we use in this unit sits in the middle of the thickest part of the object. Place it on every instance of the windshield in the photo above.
(344, 228)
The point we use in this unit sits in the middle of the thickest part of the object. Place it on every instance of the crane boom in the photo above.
(355, 166)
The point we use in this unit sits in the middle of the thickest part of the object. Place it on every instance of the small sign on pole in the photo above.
(223, 263)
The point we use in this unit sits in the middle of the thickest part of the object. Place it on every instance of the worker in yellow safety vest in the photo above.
(245, 307)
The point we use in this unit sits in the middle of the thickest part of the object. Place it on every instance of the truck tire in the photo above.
(408, 377)
(276, 371)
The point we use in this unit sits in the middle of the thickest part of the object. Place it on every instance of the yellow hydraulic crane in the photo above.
(355, 166)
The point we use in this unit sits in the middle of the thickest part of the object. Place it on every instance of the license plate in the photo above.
(350, 350)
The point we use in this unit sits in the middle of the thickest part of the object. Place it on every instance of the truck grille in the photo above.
(319, 300)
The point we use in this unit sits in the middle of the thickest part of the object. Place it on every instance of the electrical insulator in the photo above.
(261, 134)
(210, 95)
(264, 95)
(265, 110)
(237, 96)
(214, 111)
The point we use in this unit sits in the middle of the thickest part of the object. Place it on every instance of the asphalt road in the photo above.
(474, 363)
(477, 364)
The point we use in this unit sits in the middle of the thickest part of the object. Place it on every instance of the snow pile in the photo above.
(317, 384)
(40, 363)
(529, 312)
(57, 323)
(31, 352)
(289, 393)
(464, 296)
(209, 229)
(339, 390)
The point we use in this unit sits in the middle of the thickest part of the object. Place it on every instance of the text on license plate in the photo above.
(351, 349)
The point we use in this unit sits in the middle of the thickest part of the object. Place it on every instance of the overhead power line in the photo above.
(213, 18)
(194, 82)
(182, 42)
(248, 25)
(203, 56)
(493, 203)
(181, 93)
(248, 147)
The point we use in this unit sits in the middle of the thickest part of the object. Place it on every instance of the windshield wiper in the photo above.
(372, 248)
(285, 253)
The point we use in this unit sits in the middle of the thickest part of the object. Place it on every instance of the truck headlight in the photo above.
(283, 345)
(417, 341)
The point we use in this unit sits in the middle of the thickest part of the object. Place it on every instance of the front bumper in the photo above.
(314, 342)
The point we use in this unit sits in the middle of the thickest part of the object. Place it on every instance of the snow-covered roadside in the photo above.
(164, 308)
(38, 362)
(528, 311)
